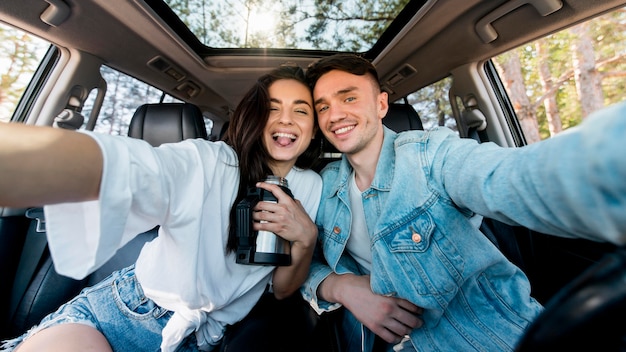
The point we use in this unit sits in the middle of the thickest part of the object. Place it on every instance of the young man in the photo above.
(400, 251)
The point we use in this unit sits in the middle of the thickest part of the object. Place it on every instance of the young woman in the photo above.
(185, 286)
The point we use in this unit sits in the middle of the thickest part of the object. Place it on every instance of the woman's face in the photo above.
(290, 126)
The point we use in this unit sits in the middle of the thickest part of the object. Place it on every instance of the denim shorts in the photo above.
(118, 308)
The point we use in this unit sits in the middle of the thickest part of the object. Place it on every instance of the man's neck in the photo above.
(365, 161)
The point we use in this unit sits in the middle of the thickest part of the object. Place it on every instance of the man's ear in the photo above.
(383, 104)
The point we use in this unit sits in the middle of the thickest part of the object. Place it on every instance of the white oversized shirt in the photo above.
(188, 189)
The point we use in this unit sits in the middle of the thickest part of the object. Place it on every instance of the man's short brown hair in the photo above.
(350, 63)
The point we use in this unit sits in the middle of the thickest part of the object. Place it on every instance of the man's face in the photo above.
(350, 109)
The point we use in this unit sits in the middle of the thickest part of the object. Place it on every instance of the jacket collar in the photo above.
(386, 163)
(384, 168)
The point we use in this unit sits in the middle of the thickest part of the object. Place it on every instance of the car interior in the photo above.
(422, 42)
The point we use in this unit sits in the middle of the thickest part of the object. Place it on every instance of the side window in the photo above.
(433, 105)
(20, 57)
(123, 96)
(555, 82)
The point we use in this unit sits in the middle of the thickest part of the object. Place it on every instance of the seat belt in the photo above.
(34, 246)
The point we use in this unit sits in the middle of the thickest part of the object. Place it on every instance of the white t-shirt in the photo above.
(359, 241)
(188, 189)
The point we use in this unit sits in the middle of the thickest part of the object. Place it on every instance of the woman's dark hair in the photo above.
(350, 63)
(245, 136)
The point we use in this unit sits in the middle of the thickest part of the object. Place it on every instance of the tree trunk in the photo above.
(547, 82)
(588, 79)
(511, 69)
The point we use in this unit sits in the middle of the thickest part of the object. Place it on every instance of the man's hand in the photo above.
(390, 318)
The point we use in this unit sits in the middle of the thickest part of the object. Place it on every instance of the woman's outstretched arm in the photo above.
(45, 165)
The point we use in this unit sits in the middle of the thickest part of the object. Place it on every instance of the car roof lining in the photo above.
(223, 80)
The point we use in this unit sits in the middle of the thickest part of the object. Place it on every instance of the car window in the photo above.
(555, 82)
(432, 104)
(124, 94)
(20, 56)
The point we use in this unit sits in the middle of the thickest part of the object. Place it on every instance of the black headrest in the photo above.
(402, 117)
(167, 123)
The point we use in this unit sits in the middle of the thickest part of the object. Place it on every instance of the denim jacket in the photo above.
(426, 249)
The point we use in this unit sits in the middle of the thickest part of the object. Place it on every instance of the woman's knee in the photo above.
(67, 338)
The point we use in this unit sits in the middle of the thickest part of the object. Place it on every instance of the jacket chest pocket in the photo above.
(414, 236)
(415, 261)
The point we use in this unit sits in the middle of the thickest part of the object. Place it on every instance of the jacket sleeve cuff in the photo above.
(318, 273)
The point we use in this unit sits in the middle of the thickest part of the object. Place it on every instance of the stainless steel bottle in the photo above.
(271, 248)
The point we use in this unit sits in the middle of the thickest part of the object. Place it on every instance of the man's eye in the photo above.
(322, 109)
(349, 99)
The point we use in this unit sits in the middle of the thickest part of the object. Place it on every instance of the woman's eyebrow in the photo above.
(301, 101)
(296, 102)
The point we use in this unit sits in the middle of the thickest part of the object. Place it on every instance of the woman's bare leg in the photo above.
(66, 338)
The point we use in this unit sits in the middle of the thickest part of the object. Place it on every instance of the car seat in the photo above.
(167, 123)
(402, 117)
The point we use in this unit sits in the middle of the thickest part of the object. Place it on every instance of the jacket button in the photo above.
(336, 230)
(417, 238)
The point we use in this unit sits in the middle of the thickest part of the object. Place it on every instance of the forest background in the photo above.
(553, 83)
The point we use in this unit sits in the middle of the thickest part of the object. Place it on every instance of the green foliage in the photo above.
(608, 33)
(315, 24)
(20, 55)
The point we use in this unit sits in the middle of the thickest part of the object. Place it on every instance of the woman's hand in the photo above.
(289, 220)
